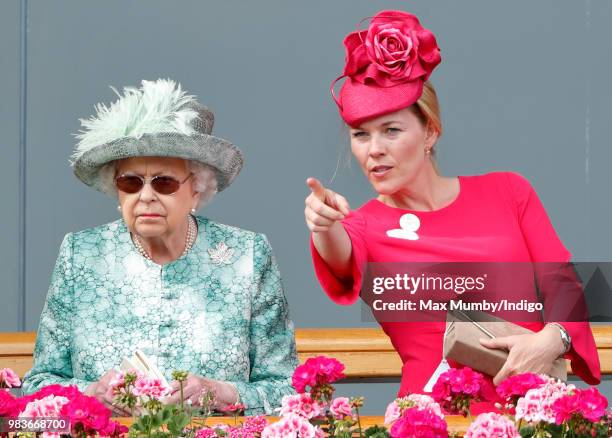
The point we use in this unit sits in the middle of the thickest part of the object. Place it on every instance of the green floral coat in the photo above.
(219, 312)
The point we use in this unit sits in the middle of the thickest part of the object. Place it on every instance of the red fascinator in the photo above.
(386, 66)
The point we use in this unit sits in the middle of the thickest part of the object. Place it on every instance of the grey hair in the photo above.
(204, 180)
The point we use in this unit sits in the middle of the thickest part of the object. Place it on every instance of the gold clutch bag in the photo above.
(463, 329)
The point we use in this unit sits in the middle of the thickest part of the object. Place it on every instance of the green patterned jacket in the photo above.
(219, 312)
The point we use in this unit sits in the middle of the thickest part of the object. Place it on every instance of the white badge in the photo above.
(409, 224)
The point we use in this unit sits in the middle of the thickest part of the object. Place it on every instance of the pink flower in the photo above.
(492, 425)
(9, 405)
(457, 387)
(113, 429)
(292, 426)
(301, 405)
(421, 401)
(317, 371)
(341, 407)
(518, 385)
(537, 403)
(393, 412)
(8, 378)
(49, 406)
(416, 422)
(395, 48)
(56, 390)
(88, 412)
(67, 401)
(206, 433)
(234, 408)
(150, 387)
(588, 403)
(255, 425)
(593, 404)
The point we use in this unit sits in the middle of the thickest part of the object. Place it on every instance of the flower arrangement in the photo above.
(86, 415)
(530, 405)
(534, 406)
(314, 412)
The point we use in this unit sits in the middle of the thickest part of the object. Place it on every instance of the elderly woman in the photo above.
(190, 293)
(420, 215)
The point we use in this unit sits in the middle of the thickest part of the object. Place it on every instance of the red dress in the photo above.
(497, 217)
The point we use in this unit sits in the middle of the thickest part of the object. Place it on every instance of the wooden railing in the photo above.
(365, 352)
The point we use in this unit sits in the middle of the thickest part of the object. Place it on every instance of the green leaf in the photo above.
(166, 414)
(156, 421)
(527, 431)
(377, 432)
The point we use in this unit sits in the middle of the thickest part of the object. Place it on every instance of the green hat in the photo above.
(158, 120)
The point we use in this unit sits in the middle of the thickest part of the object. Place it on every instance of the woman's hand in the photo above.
(194, 386)
(102, 391)
(533, 353)
(323, 207)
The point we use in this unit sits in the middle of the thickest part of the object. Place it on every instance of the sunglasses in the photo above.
(162, 184)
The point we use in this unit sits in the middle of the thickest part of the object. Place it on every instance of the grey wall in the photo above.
(523, 86)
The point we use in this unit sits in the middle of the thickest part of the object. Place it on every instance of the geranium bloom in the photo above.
(492, 425)
(302, 405)
(318, 370)
(8, 378)
(341, 407)
(457, 387)
(150, 387)
(537, 403)
(233, 408)
(292, 426)
(48, 406)
(518, 385)
(9, 406)
(255, 425)
(422, 401)
(416, 422)
(587, 403)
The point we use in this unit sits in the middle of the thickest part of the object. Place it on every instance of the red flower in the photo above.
(88, 412)
(234, 408)
(9, 405)
(114, 429)
(317, 371)
(518, 385)
(416, 422)
(587, 403)
(394, 49)
(457, 387)
(85, 413)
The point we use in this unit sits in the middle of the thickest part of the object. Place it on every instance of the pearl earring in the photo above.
(427, 151)
(193, 210)
(118, 208)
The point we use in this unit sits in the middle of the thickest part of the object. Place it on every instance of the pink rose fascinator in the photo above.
(386, 66)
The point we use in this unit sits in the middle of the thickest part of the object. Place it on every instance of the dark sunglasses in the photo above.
(164, 185)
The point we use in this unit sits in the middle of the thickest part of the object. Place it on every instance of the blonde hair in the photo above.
(427, 109)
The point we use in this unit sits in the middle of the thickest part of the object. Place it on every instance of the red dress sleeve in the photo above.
(545, 246)
(339, 291)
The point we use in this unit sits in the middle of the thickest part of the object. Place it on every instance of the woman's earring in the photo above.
(118, 208)
(193, 210)
(427, 151)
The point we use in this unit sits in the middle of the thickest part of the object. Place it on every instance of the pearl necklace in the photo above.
(189, 240)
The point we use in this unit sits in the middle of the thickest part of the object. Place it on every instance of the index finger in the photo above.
(316, 187)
